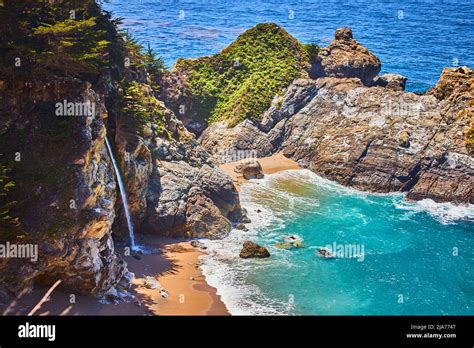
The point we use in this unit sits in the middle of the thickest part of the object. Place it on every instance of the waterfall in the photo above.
(123, 194)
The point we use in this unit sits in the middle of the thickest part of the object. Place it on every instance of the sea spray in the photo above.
(123, 194)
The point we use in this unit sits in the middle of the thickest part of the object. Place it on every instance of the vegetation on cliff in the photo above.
(9, 225)
(52, 38)
(240, 82)
(48, 51)
(141, 109)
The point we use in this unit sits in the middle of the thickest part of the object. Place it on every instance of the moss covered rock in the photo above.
(239, 82)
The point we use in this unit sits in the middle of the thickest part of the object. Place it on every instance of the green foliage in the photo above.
(312, 50)
(8, 223)
(141, 58)
(154, 64)
(76, 46)
(54, 38)
(240, 82)
(133, 50)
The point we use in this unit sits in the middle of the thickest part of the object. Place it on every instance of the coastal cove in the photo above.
(408, 248)
(217, 160)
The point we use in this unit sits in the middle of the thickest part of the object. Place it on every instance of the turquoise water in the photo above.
(417, 257)
(415, 38)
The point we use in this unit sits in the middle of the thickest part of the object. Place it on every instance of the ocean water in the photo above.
(416, 259)
(415, 38)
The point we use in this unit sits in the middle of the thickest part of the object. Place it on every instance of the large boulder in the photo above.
(232, 144)
(345, 57)
(253, 250)
(250, 169)
(192, 202)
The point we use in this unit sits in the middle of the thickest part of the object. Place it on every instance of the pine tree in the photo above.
(74, 46)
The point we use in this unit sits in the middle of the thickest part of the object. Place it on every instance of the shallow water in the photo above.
(416, 257)
(415, 38)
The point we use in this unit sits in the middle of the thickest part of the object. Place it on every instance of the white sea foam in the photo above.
(225, 271)
(445, 213)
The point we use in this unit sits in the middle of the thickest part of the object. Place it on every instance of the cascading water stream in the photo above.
(124, 197)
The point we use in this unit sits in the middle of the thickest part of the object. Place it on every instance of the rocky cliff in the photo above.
(175, 188)
(328, 109)
(58, 186)
(363, 130)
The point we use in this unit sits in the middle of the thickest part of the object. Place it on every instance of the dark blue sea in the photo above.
(415, 38)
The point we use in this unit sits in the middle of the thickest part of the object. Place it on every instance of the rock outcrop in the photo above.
(250, 169)
(378, 139)
(66, 199)
(175, 188)
(253, 250)
(345, 57)
(396, 82)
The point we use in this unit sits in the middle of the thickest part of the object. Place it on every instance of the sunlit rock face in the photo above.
(175, 187)
(345, 57)
(376, 138)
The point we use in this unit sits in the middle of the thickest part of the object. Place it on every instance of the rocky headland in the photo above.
(343, 121)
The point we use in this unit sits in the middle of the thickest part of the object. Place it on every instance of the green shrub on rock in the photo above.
(240, 82)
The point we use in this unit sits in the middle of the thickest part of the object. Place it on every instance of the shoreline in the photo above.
(189, 293)
(175, 266)
(270, 165)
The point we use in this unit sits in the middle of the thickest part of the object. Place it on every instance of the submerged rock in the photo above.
(241, 227)
(253, 250)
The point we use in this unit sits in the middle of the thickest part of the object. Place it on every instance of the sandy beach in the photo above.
(270, 165)
(175, 267)
(189, 294)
